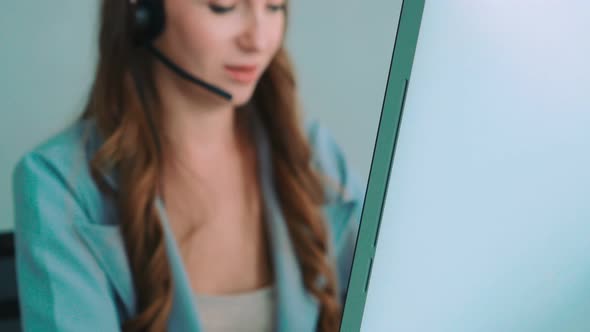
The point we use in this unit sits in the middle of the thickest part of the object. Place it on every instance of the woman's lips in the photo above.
(242, 74)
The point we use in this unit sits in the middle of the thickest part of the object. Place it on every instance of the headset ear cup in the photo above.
(149, 20)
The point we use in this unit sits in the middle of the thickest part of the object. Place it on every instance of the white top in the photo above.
(245, 312)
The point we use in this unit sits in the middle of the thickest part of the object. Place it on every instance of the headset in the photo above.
(149, 21)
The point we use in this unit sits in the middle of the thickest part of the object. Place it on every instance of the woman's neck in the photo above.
(196, 124)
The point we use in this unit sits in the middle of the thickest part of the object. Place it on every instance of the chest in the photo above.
(222, 237)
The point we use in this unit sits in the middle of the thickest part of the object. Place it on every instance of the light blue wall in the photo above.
(487, 220)
(341, 49)
(47, 61)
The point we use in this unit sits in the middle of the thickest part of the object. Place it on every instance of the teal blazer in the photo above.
(72, 271)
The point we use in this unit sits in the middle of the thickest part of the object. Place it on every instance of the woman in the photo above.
(168, 207)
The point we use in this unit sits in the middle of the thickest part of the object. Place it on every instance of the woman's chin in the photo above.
(240, 97)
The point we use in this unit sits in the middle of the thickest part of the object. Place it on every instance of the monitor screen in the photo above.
(486, 218)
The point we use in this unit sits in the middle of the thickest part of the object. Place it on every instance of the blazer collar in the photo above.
(297, 309)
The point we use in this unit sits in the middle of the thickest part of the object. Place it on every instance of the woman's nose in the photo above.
(255, 35)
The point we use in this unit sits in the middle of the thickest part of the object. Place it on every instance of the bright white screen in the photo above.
(487, 220)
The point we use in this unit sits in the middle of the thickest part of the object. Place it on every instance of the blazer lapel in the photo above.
(106, 244)
(184, 313)
(297, 309)
(103, 237)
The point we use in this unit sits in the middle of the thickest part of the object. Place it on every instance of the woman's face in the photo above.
(228, 43)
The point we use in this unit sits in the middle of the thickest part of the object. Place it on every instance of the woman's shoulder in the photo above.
(60, 163)
(59, 153)
(63, 144)
(342, 179)
(346, 194)
(56, 208)
(344, 189)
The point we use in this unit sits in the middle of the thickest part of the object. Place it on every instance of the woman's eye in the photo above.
(276, 8)
(218, 9)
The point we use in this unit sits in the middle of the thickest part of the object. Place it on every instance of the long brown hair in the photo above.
(124, 103)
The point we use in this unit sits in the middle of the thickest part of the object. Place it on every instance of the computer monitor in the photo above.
(400, 70)
(486, 219)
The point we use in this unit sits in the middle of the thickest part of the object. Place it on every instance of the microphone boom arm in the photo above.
(182, 73)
